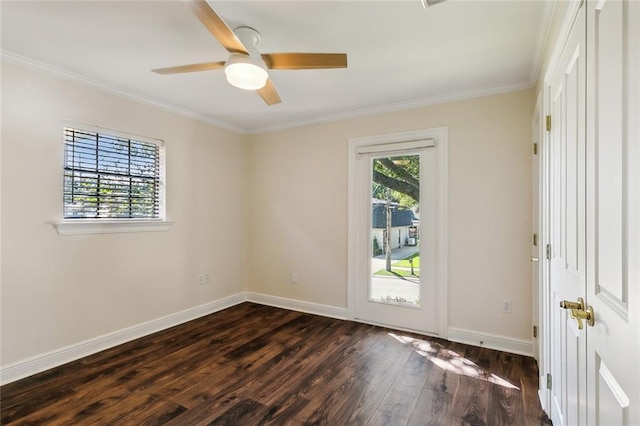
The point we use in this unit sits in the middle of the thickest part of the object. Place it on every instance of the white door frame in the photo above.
(544, 300)
(541, 286)
(440, 135)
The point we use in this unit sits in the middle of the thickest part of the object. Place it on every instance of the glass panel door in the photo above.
(397, 230)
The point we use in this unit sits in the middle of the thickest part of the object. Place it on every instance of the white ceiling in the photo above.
(399, 54)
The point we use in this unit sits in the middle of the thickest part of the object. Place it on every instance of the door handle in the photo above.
(534, 259)
(579, 305)
(578, 312)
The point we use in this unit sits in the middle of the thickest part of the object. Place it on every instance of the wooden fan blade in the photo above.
(302, 61)
(190, 68)
(216, 26)
(269, 93)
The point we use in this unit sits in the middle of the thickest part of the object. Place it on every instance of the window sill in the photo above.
(99, 226)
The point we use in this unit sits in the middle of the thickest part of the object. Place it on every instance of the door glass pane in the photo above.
(395, 230)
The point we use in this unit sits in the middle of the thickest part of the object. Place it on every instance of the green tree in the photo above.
(401, 175)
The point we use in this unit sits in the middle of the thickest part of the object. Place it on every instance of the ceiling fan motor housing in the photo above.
(248, 36)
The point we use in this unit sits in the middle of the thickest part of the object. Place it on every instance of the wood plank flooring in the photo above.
(255, 365)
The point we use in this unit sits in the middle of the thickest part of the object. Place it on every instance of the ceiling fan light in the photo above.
(244, 73)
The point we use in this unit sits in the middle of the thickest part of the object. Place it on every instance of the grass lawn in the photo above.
(402, 268)
(404, 263)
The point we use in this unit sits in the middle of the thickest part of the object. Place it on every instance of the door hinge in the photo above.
(548, 122)
(548, 252)
(535, 239)
(535, 149)
(548, 381)
(535, 331)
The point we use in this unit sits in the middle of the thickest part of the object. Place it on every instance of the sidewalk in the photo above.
(379, 262)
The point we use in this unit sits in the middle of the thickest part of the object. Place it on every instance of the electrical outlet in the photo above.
(506, 307)
(203, 279)
(294, 277)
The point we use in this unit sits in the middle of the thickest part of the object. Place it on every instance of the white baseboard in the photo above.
(491, 341)
(39, 363)
(24, 368)
(297, 305)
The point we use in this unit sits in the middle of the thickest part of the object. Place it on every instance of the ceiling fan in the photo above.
(245, 67)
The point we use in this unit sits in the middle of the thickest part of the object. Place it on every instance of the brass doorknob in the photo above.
(579, 313)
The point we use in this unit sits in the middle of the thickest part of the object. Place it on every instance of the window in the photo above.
(108, 175)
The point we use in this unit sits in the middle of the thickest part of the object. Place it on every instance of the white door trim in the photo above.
(440, 135)
(541, 285)
(544, 302)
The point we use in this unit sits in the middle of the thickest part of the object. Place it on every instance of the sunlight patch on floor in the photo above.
(451, 361)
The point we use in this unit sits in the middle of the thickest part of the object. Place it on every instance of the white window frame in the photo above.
(83, 226)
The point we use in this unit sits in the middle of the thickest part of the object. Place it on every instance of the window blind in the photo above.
(395, 147)
(108, 176)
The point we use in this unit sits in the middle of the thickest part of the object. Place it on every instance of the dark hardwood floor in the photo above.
(253, 365)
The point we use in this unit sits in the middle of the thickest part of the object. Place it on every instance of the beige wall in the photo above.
(249, 210)
(58, 291)
(298, 208)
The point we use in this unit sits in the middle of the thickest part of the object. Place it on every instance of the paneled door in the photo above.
(594, 219)
(613, 211)
(397, 232)
(566, 248)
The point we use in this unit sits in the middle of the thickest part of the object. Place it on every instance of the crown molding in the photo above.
(14, 58)
(399, 106)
